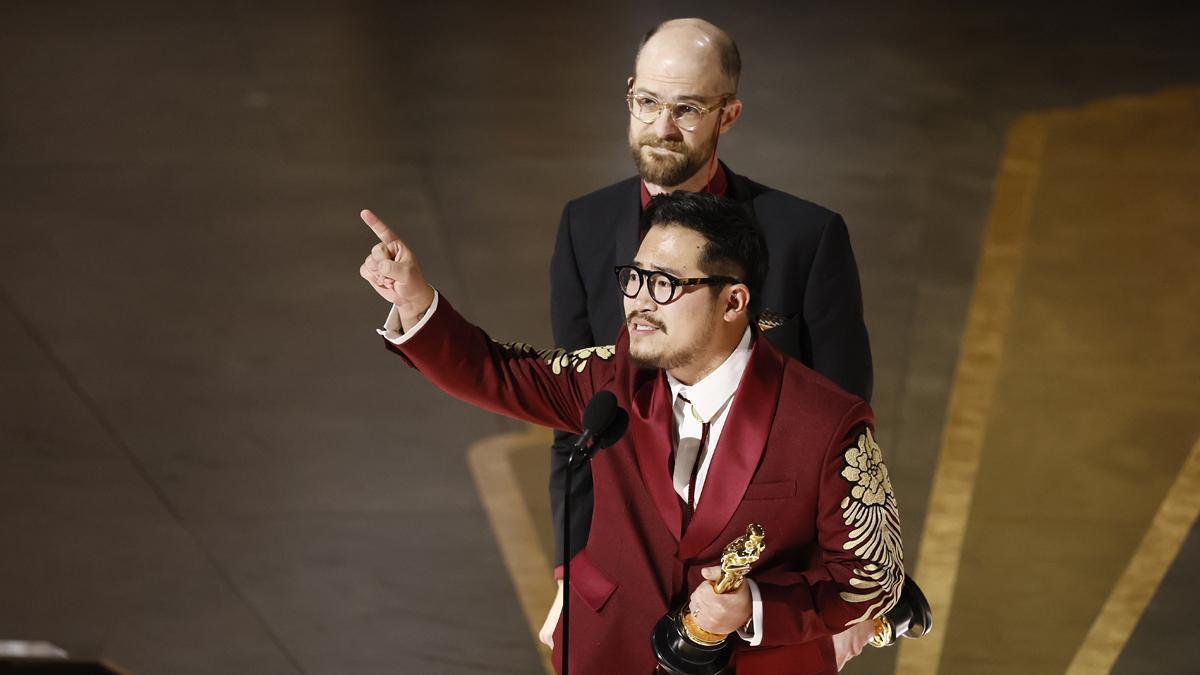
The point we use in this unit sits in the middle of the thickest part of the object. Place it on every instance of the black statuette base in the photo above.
(678, 655)
(911, 617)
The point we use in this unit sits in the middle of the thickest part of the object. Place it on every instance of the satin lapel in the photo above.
(743, 441)
(650, 432)
(627, 226)
(739, 191)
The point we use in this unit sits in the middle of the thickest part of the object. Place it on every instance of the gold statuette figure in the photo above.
(684, 648)
(736, 560)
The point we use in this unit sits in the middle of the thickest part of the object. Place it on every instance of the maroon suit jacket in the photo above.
(795, 456)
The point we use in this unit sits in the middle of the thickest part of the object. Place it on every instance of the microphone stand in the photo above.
(599, 417)
(581, 446)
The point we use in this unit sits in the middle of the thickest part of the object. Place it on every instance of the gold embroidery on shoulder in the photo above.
(519, 348)
(874, 521)
(561, 359)
(769, 319)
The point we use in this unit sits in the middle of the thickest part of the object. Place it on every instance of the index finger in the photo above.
(378, 227)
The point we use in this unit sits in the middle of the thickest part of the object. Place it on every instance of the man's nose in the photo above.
(664, 125)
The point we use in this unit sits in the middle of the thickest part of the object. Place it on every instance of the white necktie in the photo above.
(687, 451)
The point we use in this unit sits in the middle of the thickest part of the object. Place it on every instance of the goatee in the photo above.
(643, 362)
(668, 170)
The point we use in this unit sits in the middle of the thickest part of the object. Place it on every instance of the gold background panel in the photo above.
(1096, 392)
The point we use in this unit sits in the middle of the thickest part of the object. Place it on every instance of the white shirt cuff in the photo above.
(394, 333)
(754, 636)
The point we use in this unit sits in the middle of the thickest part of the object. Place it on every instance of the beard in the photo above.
(672, 170)
(668, 356)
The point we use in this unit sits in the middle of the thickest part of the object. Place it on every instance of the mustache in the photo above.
(650, 140)
(645, 319)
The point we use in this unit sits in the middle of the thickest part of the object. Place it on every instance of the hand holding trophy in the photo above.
(911, 617)
(684, 648)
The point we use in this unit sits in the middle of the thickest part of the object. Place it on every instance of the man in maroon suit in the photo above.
(724, 431)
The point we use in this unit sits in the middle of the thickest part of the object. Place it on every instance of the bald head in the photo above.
(690, 67)
(690, 48)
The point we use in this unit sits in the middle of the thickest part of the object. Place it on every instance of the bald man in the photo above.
(682, 98)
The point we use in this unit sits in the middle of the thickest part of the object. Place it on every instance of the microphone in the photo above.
(604, 422)
(616, 429)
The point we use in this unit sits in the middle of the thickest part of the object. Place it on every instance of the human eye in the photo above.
(645, 101)
(630, 279)
(686, 114)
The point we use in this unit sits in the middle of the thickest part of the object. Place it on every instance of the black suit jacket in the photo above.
(812, 293)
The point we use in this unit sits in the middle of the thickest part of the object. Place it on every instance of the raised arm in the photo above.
(548, 387)
(392, 270)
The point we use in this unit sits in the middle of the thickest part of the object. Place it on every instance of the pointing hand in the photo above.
(392, 271)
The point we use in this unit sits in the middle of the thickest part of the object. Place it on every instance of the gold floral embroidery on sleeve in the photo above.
(561, 359)
(874, 521)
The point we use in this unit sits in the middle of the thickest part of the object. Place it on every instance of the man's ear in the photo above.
(737, 302)
(730, 114)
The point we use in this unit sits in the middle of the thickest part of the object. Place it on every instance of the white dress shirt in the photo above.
(711, 398)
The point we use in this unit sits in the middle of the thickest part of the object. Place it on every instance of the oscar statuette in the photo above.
(684, 648)
(910, 617)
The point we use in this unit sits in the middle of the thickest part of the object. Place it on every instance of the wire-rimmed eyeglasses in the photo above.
(687, 116)
(663, 287)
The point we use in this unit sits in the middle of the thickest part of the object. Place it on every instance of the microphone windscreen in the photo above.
(615, 430)
(599, 412)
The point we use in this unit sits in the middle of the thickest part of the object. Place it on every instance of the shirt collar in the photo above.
(718, 185)
(712, 392)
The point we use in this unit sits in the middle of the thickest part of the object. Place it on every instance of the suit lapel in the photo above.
(740, 192)
(628, 225)
(650, 433)
(743, 441)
